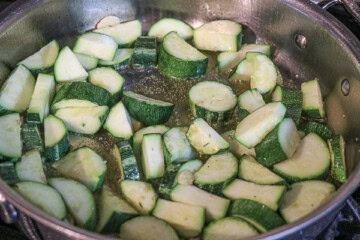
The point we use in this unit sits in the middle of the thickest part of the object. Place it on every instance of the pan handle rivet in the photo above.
(300, 41)
(345, 87)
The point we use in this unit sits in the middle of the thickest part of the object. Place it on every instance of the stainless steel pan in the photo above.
(308, 43)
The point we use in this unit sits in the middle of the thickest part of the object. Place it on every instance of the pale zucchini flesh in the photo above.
(10, 132)
(237, 148)
(30, 167)
(166, 25)
(119, 114)
(312, 99)
(86, 61)
(153, 160)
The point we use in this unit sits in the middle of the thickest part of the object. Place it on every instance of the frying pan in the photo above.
(309, 43)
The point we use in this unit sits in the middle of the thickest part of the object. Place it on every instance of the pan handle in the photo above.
(8, 213)
(325, 4)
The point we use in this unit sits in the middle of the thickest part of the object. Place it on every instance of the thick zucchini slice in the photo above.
(259, 215)
(243, 71)
(67, 60)
(292, 99)
(31, 137)
(215, 206)
(56, 138)
(253, 129)
(78, 200)
(337, 154)
(42, 97)
(80, 94)
(119, 114)
(86, 61)
(279, 144)
(303, 198)
(320, 129)
(188, 220)
(147, 110)
(30, 168)
(43, 59)
(147, 228)
(252, 171)
(43, 197)
(139, 194)
(248, 102)
(128, 161)
(310, 161)
(176, 146)
(269, 195)
(122, 59)
(86, 120)
(312, 103)
(218, 171)
(113, 211)
(220, 35)
(152, 157)
(165, 25)
(205, 139)
(237, 148)
(212, 101)
(107, 21)
(8, 172)
(228, 228)
(109, 79)
(96, 45)
(125, 34)
(16, 91)
(145, 52)
(10, 132)
(179, 59)
(83, 165)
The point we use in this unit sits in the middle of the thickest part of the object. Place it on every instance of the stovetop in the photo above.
(346, 226)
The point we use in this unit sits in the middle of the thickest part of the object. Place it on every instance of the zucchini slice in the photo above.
(138, 137)
(41, 99)
(83, 165)
(237, 148)
(128, 161)
(192, 166)
(43, 197)
(113, 211)
(179, 59)
(312, 103)
(310, 161)
(337, 154)
(96, 45)
(122, 59)
(86, 61)
(107, 21)
(303, 198)
(78, 200)
(229, 60)
(43, 59)
(31, 137)
(139, 194)
(147, 228)
(57, 140)
(212, 101)
(269, 195)
(147, 110)
(205, 139)
(125, 34)
(243, 71)
(215, 206)
(8, 172)
(292, 100)
(153, 162)
(252, 171)
(248, 102)
(320, 129)
(218, 171)
(188, 220)
(16, 91)
(228, 228)
(166, 25)
(169, 180)
(279, 145)
(67, 60)
(119, 114)
(253, 129)
(176, 146)
(10, 132)
(145, 52)
(259, 215)
(80, 94)
(30, 168)
(220, 35)
(85, 120)
(185, 177)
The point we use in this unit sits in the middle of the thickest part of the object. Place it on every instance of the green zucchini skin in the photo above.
(8, 172)
(318, 128)
(31, 137)
(213, 117)
(59, 150)
(145, 52)
(82, 91)
(171, 66)
(128, 161)
(338, 168)
(168, 181)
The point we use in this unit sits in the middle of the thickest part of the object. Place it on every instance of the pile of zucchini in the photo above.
(266, 172)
